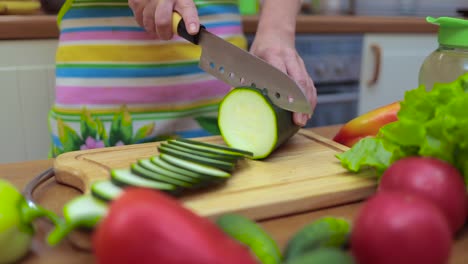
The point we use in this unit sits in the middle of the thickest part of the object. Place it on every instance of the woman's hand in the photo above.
(275, 43)
(283, 55)
(155, 16)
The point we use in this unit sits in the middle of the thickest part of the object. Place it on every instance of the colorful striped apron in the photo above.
(115, 85)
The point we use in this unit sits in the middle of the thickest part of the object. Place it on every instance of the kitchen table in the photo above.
(52, 196)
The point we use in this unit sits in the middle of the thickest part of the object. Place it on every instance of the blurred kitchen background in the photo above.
(361, 54)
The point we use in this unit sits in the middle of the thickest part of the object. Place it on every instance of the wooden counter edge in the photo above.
(13, 27)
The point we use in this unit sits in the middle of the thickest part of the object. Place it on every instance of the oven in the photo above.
(334, 63)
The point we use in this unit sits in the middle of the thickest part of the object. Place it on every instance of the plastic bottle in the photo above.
(450, 59)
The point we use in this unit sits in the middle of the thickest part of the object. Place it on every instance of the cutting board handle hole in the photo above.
(277, 95)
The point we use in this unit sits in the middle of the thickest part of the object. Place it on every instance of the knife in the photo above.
(237, 67)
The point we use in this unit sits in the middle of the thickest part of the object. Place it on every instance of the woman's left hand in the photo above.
(283, 55)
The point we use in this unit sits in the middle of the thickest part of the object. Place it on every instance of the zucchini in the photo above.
(226, 153)
(105, 190)
(196, 167)
(146, 163)
(248, 120)
(224, 165)
(201, 153)
(215, 146)
(125, 177)
(151, 175)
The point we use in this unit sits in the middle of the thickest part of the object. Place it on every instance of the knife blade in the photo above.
(239, 68)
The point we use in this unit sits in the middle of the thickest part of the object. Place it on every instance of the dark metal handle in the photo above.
(36, 182)
(178, 26)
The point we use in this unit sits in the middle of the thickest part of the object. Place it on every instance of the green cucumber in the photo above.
(125, 177)
(216, 146)
(224, 165)
(248, 120)
(252, 235)
(324, 256)
(196, 167)
(202, 153)
(146, 163)
(105, 190)
(151, 175)
(323, 232)
(82, 212)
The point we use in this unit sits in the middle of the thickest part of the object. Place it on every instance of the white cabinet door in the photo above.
(390, 66)
(26, 95)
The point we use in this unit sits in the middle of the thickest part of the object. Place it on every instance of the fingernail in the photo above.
(193, 28)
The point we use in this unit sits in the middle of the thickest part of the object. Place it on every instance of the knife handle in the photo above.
(178, 26)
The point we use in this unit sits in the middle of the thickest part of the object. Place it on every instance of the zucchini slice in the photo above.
(151, 175)
(169, 166)
(215, 146)
(201, 153)
(248, 120)
(125, 177)
(224, 165)
(146, 163)
(82, 212)
(196, 167)
(105, 190)
(226, 153)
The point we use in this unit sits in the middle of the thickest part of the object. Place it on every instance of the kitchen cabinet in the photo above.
(390, 66)
(27, 93)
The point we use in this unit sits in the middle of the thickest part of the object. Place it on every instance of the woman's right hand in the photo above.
(155, 16)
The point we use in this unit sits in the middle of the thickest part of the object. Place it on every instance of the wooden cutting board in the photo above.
(301, 175)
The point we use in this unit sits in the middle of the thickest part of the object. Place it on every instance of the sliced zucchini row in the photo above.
(182, 164)
(248, 120)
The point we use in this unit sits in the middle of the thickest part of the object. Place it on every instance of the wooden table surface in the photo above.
(52, 196)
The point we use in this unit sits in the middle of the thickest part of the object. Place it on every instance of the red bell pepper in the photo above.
(145, 226)
(367, 124)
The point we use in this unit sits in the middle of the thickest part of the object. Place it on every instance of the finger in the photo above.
(163, 19)
(148, 16)
(312, 91)
(137, 7)
(296, 69)
(188, 11)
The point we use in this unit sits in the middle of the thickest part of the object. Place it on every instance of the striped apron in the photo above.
(115, 85)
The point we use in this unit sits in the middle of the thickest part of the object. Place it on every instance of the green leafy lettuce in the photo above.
(430, 123)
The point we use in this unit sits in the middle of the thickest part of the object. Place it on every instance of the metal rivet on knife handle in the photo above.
(178, 26)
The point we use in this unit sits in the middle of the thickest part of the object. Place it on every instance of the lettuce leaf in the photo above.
(430, 123)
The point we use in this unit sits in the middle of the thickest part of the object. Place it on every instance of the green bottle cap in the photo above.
(452, 31)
